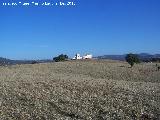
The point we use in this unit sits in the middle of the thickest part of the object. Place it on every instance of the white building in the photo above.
(87, 56)
(77, 57)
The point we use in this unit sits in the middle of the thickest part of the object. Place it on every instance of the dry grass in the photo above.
(84, 90)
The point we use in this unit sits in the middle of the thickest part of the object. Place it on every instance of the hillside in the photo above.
(80, 90)
(142, 56)
(5, 61)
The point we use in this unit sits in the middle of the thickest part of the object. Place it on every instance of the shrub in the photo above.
(60, 58)
(158, 67)
(34, 62)
(132, 58)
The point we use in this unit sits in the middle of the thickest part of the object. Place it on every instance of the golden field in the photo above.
(80, 90)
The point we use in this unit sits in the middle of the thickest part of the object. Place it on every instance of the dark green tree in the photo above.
(60, 58)
(132, 59)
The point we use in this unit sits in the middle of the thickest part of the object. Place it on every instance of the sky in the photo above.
(98, 27)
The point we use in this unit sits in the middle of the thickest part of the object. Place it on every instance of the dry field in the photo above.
(80, 90)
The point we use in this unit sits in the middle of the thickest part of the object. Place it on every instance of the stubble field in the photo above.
(80, 90)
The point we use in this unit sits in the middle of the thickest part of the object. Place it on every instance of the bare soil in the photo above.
(80, 90)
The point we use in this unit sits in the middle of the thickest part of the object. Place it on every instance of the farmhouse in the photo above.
(87, 56)
(78, 57)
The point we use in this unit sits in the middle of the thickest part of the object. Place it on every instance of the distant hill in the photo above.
(142, 56)
(5, 61)
(112, 57)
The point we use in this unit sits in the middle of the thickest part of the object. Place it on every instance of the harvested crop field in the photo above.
(80, 90)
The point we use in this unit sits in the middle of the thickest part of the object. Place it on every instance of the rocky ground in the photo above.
(80, 90)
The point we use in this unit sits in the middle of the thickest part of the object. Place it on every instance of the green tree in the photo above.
(60, 58)
(132, 58)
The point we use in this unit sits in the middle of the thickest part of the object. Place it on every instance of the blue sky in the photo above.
(92, 26)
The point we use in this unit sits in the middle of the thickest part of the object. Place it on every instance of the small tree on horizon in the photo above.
(132, 58)
(61, 57)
